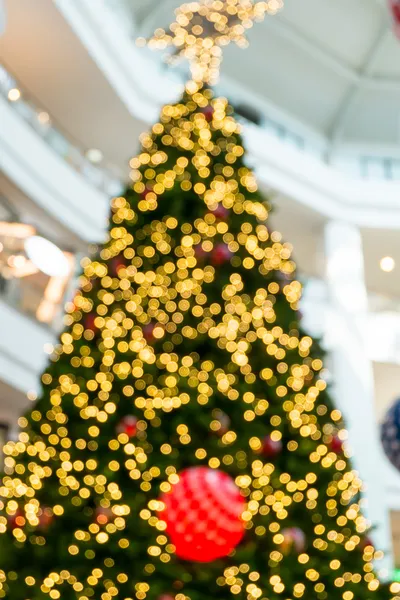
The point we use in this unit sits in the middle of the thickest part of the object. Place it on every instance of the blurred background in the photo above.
(318, 93)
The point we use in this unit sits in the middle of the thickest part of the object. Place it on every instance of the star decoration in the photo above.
(203, 28)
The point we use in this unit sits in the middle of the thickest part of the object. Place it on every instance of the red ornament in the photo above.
(294, 539)
(148, 332)
(271, 448)
(104, 515)
(89, 322)
(336, 445)
(146, 190)
(394, 6)
(166, 597)
(221, 255)
(45, 518)
(117, 263)
(16, 520)
(225, 422)
(200, 253)
(365, 542)
(221, 212)
(203, 515)
(208, 112)
(128, 425)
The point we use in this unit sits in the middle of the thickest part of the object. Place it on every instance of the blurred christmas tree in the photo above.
(184, 445)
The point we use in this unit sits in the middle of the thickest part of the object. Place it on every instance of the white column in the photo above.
(353, 380)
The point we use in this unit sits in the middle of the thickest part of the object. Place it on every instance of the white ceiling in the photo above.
(47, 58)
(334, 65)
(40, 50)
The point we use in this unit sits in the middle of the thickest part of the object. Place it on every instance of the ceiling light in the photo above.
(16, 230)
(387, 264)
(47, 257)
(94, 155)
(14, 94)
(43, 118)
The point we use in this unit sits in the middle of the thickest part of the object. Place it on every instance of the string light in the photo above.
(203, 28)
(167, 361)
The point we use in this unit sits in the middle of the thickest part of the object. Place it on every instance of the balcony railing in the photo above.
(106, 180)
(37, 296)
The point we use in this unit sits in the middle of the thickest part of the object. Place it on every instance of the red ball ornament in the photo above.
(89, 322)
(294, 539)
(104, 515)
(225, 424)
(336, 445)
(166, 597)
(16, 520)
(200, 253)
(271, 448)
(148, 332)
(146, 190)
(203, 515)
(221, 213)
(365, 542)
(128, 425)
(208, 112)
(221, 255)
(117, 263)
(46, 518)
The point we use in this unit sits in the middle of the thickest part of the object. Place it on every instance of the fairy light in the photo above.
(202, 29)
(189, 311)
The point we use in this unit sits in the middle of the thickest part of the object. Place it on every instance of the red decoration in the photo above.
(128, 425)
(208, 112)
(104, 515)
(16, 520)
(148, 332)
(336, 445)
(146, 190)
(200, 253)
(225, 423)
(394, 6)
(117, 263)
(271, 448)
(221, 212)
(221, 255)
(203, 515)
(365, 542)
(166, 597)
(89, 322)
(294, 539)
(45, 518)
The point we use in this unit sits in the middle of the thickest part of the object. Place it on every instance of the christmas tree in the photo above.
(184, 445)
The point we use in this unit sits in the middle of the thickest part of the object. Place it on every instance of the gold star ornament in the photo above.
(203, 28)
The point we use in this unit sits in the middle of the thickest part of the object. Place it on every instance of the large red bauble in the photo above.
(203, 513)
